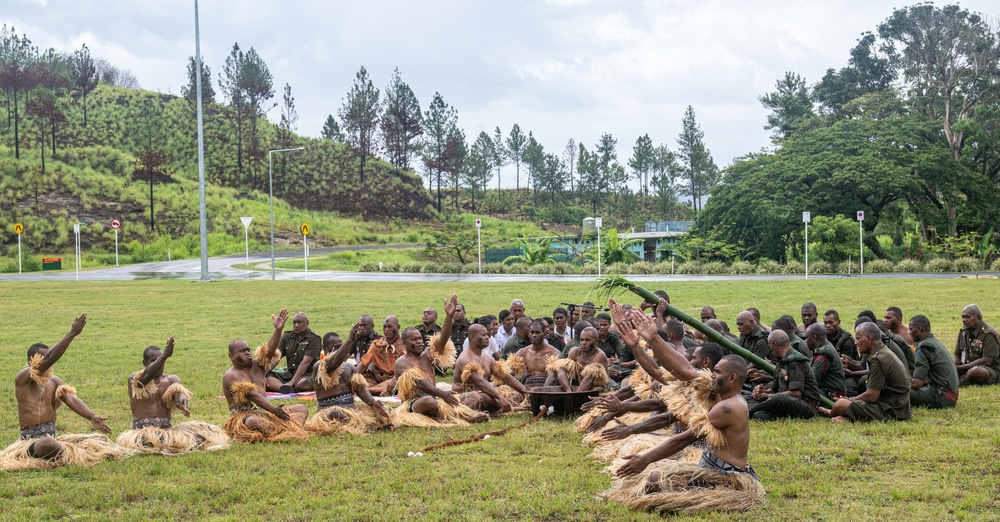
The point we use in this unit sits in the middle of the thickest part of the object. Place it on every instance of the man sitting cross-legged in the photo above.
(153, 397)
(337, 381)
(536, 359)
(713, 409)
(473, 370)
(584, 365)
(38, 394)
(424, 403)
(253, 418)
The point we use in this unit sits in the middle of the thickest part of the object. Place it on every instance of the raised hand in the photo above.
(98, 423)
(661, 308)
(451, 305)
(617, 313)
(644, 325)
(279, 320)
(627, 333)
(168, 350)
(78, 325)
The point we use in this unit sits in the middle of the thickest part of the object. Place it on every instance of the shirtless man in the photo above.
(253, 418)
(591, 366)
(473, 370)
(725, 455)
(337, 382)
(153, 396)
(415, 380)
(535, 357)
(38, 393)
(894, 320)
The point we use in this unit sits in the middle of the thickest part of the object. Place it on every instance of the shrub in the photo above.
(540, 269)
(615, 268)
(470, 268)
(880, 266)
(589, 269)
(368, 266)
(968, 264)
(796, 267)
(769, 266)
(714, 268)
(909, 266)
(563, 268)
(451, 268)
(848, 267)
(516, 268)
(391, 266)
(820, 267)
(741, 267)
(493, 268)
(688, 267)
(412, 267)
(430, 268)
(640, 268)
(663, 268)
(940, 265)
(995, 267)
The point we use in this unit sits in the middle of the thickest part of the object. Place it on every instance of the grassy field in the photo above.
(939, 466)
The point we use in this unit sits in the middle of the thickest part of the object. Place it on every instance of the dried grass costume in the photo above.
(354, 420)
(77, 449)
(156, 435)
(272, 428)
(675, 486)
(408, 388)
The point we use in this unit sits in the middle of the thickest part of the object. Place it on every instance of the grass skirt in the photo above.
(447, 415)
(360, 420)
(176, 440)
(77, 450)
(272, 429)
(672, 493)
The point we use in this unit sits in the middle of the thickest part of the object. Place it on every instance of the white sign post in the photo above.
(479, 242)
(246, 235)
(861, 238)
(116, 224)
(598, 222)
(76, 232)
(806, 218)
(18, 228)
(305, 246)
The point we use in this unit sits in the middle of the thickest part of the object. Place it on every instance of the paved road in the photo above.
(221, 269)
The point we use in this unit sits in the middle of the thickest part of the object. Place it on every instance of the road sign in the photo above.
(116, 223)
(304, 229)
(806, 217)
(861, 215)
(246, 220)
(479, 223)
(598, 222)
(18, 228)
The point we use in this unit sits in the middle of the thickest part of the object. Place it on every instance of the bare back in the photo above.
(36, 404)
(731, 416)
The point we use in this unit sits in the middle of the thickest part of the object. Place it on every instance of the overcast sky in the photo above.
(559, 68)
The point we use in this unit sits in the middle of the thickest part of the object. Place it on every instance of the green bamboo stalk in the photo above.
(611, 283)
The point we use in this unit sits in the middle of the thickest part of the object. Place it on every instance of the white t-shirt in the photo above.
(489, 350)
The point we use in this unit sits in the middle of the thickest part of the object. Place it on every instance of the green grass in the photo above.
(939, 466)
(351, 260)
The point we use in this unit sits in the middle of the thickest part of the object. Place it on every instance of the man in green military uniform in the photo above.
(365, 337)
(752, 338)
(935, 380)
(977, 353)
(519, 340)
(300, 348)
(786, 323)
(838, 337)
(887, 396)
(826, 365)
(793, 393)
(891, 339)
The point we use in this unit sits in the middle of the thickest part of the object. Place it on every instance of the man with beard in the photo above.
(473, 371)
(379, 363)
(252, 417)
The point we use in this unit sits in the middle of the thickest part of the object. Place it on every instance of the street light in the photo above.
(202, 212)
(270, 192)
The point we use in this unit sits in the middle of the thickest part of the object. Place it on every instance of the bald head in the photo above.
(715, 324)
(745, 323)
(815, 335)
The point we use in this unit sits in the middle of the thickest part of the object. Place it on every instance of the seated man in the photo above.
(887, 396)
(378, 363)
(838, 337)
(473, 370)
(538, 360)
(587, 366)
(519, 340)
(935, 379)
(713, 409)
(826, 365)
(794, 393)
(38, 395)
(153, 398)
(366, 336)
(337, 382)
(424, 403)
(977, 352)
(300, 347)
(252, 417)
(428, 324)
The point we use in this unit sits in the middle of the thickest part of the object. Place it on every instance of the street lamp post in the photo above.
(270, 193)
(202, 212)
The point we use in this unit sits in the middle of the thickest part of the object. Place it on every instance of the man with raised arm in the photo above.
(252, 417)
(38, 394)
(337, 382)
(935, 379)
(300, 348)
(714, 410)
(153, 397)
(473, 370)
(424, 403)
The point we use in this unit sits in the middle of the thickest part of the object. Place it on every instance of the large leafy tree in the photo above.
(230, 84)
(400, 124)
(360, 115)
(258, 88)
(790, 106)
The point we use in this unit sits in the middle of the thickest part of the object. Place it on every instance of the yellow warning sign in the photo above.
(18, 228)
(304, 229)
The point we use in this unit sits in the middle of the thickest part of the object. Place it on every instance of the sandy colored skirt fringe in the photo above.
(176, 440)
(447, 416)
(360, 420)
(716, 492)
(77, 450)
(273, 429)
